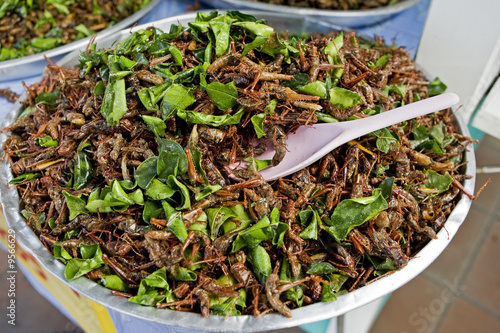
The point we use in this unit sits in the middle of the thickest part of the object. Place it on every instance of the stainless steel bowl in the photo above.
(347, 18)
(34, 64)
(307, 314)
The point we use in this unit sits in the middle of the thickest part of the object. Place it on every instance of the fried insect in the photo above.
(135, 167)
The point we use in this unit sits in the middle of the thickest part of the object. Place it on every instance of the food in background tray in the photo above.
(334, 4)
(123, 166)
(33, 26)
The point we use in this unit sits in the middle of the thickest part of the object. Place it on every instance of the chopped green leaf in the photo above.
(321, 268)
(350, 213)
(24, 177)
(223, 95)
(176, 98)
(206, 119)
(342, 98)
(436, 87)
(76, 204)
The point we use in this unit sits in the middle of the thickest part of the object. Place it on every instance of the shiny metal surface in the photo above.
(307, 314)
(347, 18)
(34, 64)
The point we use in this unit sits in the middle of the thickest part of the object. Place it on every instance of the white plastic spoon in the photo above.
(308, 144)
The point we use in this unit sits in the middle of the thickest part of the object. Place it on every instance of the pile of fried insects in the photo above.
(33, 26)
(124, 166)
(334, 4)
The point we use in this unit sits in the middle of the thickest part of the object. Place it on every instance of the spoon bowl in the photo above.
(308, 144)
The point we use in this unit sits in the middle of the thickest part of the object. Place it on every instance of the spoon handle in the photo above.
(309, 144)
(360, 127)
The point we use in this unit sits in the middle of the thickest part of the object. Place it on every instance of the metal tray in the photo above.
(34, 64)
(347, 18)
(307, 314)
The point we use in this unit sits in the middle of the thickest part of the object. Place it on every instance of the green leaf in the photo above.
(76, 204)
(273, 45)
(321, 268)
(114, 282)
(386, 187)
(176, 55)
(271, 106)
(176, 225)
(114, 104)
(157, 279)
(99, 88)
(267, 228)
(332, 52)
(84, 30)
(379, 63)
(261, 262)
(224, 96)
(44, 44)
(148, 295)
(217, 217)
(118, 194)
(329, 290)
(436, 87)
(183, 274)
(174, 32)
(310, 218)
(151, 96)
(152, 209)
(215, 121)
(342, 98)
(243, 17)
(221, 38)
(255, 29)
(176, 98)
(438, 182)
(381, 265)
(257, 42)
(146, 171)
(155, 125)
(258, 124)
(385, 139)
(36, 220)
(397, 89)
(159, 191)
(126, 63)
(206, 191)
(24, 177)
(46, 141)
(82, 172)
(298, 80)
(350, 213)
(316, 88)
(61, 253)
(48, 98)
(242, 217)
(173, 150)
(437, 132)
(325, 117)
(420, 134)
(253, 235)
(262, 164)
(91, 259)
(180, 188)
(296, 293)
(137, 37)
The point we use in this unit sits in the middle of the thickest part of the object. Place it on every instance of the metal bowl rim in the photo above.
(382, 11)
(307, 314)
